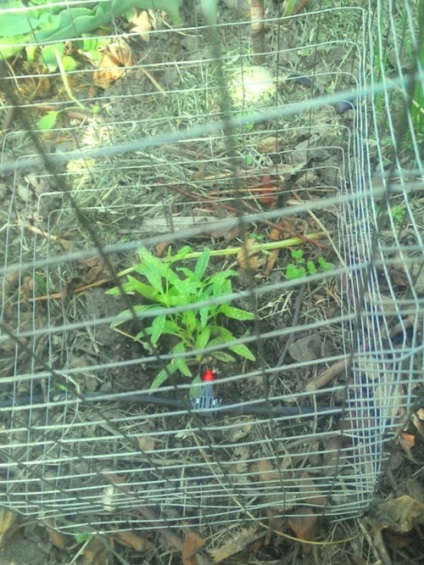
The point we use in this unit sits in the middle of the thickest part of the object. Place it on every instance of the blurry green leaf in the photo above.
(297, 255)
(202, 263)
(235, 313)
(48, 121)
(311, 268)
(134, 285)
(189, 320)
(157, 328)
(195, 387)
(203, 338)
(222, 356)
(161, 377)
(204, 315)
(50, 53)
(69, 63)
(181, 363)
(243, 351)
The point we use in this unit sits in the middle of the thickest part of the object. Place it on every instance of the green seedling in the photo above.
(396, 212)
(83, 537)
(300, 267)
(160, 286)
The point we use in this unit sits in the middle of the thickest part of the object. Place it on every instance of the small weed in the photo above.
(396, 212)
(301, 267)
(162, 286)
(83, 537)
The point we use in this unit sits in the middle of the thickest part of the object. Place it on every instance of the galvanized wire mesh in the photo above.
(145, 172)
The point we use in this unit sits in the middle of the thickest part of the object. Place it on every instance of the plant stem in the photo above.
(269, 246)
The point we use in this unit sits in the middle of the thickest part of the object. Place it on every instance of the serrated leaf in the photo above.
(236, 313)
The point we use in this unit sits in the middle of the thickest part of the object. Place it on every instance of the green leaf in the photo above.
(152, 268)
(325, 266)
(297, 255)
(195, 387)
(189, 320)
(134, 285)
(13, 24)
(162, 377)
(221, 277)
(179, 256)
(243, 351)
(202, 338)
(50, 53)
(240, 348)
(235, 313)
(202, 263)
(126, 315)
(69, 63)
(311, 268)
(171, 328)
(294, 272)
(157, 328)
(222, 356)
(181, 363)
(205, 314)
(48, 121)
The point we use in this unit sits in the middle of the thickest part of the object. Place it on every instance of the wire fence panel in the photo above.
(240, 229)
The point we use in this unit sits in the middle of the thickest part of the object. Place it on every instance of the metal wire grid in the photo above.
(384, 368)
(61, 460)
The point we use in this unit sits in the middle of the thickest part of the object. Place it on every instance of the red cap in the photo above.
(208, 376)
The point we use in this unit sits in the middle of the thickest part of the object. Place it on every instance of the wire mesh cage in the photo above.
(212, 275)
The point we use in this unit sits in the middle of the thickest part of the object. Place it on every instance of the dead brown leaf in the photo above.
(134, 541)
(95, 269)
(146, 443)
(235, 545)
(303, 524)
(116, 57)
(400, 514)
(161, 248)
(271, 144)
(248, 258)
(98, 551)
(7, 524)
(192, 543)
(272, 259)
(142, 25)
(265, 191)
(407, 442)
(419, 426)
(58, 539)
(309, 490)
